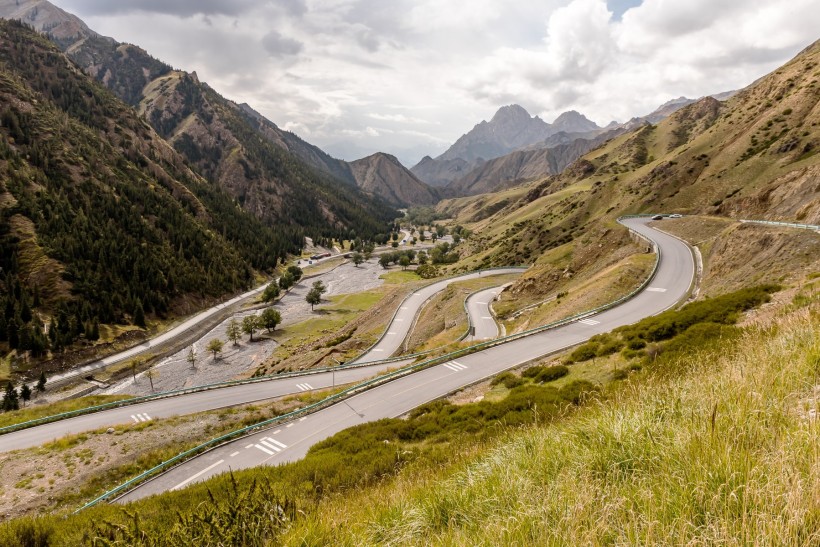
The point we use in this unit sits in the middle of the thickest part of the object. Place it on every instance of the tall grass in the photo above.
(722, 451)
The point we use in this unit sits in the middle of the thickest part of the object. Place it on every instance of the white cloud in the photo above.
(366, 75)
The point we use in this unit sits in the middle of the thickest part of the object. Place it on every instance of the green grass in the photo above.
(5, 368)
(698, 445)
(713, 447)
(399, 277)
(39, 411)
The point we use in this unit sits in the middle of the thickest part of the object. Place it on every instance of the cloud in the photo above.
(365, 75)
(278, 45)
(182, 8)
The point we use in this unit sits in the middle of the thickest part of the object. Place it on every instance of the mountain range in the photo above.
(199, 122)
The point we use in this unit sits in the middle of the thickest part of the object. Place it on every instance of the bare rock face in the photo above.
(384, 176)
(511, 129)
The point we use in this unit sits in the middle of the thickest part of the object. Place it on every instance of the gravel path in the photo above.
(175, 372)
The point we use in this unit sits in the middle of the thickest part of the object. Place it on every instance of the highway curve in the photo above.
(190, 403)
(291, 441)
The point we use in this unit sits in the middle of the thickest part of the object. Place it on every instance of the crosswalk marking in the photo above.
(279, 443)
(269, 445)
(656, 289)
(265, 450)
(304, 387)
(589, 321)
(143, 417)
(454, 366)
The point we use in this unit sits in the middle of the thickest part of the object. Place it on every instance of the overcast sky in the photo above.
(410, 76)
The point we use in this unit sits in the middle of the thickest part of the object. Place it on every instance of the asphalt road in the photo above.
(236, 395)
(153, 342)
(478, 308)
(402, 322)
(290, 442)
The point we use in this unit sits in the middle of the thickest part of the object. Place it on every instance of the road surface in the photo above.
(478, 308)
(191, 403)
(290, 442)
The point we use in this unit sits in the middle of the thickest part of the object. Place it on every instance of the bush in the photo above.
(551, 373)
(584, 353)
(509, 380)
(576, 391)
(532, 372)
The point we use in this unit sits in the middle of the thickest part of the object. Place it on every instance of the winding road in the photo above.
(481, 318)
(291, 441)
(190, 403)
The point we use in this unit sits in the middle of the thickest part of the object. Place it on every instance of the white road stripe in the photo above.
(459, 366)
(277, 431)
(272, 447)
(656, 289)
(391, 333)
(589, 321)
(250, 445)
(289, 425)
(265, 450)
(146, 416)
(403, 308)
(485, 317)
(234, 454)
(192, 477)
(302, 419)
(135, 418)
(482, 303)
(377, 349)
(283, 445)
(451, 367)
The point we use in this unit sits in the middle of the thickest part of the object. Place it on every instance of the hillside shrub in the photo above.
(509, 380)
(551, 373)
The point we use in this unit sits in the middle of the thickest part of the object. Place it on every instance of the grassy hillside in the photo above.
(752, 156)
(695, 443)
(100, 220)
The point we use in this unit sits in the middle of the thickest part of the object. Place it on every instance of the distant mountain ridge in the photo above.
(189, 114)
(511, 128)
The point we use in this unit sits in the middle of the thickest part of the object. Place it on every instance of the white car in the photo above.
(676, 215)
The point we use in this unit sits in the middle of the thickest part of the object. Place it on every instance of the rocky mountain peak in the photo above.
(511, 114)
(573, 122)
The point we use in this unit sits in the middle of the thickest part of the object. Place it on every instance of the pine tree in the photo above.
(139, 315)
(25, 393)
(10, 401)
(41, 383)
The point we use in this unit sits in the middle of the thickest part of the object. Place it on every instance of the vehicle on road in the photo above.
(676, 215)
(657, 217)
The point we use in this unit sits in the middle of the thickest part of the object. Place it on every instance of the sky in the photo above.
(409, 77)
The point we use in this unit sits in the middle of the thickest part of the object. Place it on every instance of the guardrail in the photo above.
(354, 363)
(349, 392)
(814, 227)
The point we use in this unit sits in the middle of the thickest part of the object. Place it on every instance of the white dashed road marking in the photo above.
(485, 317)
(274, 441)
(454, 366)
(234, 454)
(192, 477)
(656, 289)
